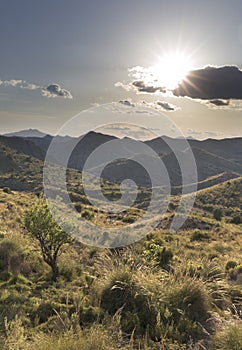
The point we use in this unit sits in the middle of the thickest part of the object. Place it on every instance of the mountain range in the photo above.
(216, 160)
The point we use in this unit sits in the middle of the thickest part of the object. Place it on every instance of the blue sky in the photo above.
(87, 46)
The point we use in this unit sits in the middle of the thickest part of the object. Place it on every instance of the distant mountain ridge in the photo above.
(26, 133)
(224, 148)
(217, 160)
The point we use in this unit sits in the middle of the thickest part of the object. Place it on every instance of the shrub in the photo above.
(123, 293)
(87, 214)
(129, 219)
(231, 264)
(159, 254)
(44, 311)
(7, 190)
(217, 214)
(236, 219)
(14, 263)
(235, 272)
(78, 207)
(208, 207)
(5, 275)
(68, 270)
(15, 337)
(89, 315)
(8, 248)
(188, 305)
(228, 338)
(194, 269)
(199, 236)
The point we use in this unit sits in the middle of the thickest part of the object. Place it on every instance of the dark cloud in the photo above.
(142, 87)
(212, 83)
(127, 103)
(167, 106)
(158, 105)
(54, 90)
(219, 103)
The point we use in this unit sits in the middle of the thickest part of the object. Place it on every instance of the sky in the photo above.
(59, 58)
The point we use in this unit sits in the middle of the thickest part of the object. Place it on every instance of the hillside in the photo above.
(208, 164)
(23, 145)
(182, 288)
(210, 169)
(188, 283)
(18, 170)
(227, 196)
(225, 148)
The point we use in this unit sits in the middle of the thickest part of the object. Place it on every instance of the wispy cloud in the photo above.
(203, 134)
(52, 90)
(123, 85)
(123, 130)
(19, 83)
(29, 86)
(143, 81)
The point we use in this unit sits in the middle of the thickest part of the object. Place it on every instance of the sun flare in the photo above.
(171, 69)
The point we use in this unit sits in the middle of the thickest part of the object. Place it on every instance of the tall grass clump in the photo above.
(228, 337)
(126, 293)
(94, 338)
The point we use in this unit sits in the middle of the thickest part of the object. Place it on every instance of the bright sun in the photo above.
(171, 69)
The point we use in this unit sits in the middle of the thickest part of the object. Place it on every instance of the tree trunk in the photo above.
(55, 271)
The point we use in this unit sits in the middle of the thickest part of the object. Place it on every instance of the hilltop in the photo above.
(26, 133)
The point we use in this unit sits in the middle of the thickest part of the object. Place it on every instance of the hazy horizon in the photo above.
(114, 134)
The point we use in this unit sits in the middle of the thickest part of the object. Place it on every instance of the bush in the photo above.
(236, 219)
(87, 214)
(217, 214)
(123, 293)
(228, 338)
(8, 248)
(44, 311)
(235, 272)
(78, 207)
(15, 337)
(231, 264)
(89, 315)
(188, 305)
(129, 219)
(159, 254)
(5, 276)
(7, 190)
(68, 270)
(199, 236)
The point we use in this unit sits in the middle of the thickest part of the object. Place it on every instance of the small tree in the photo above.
(42, 226)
